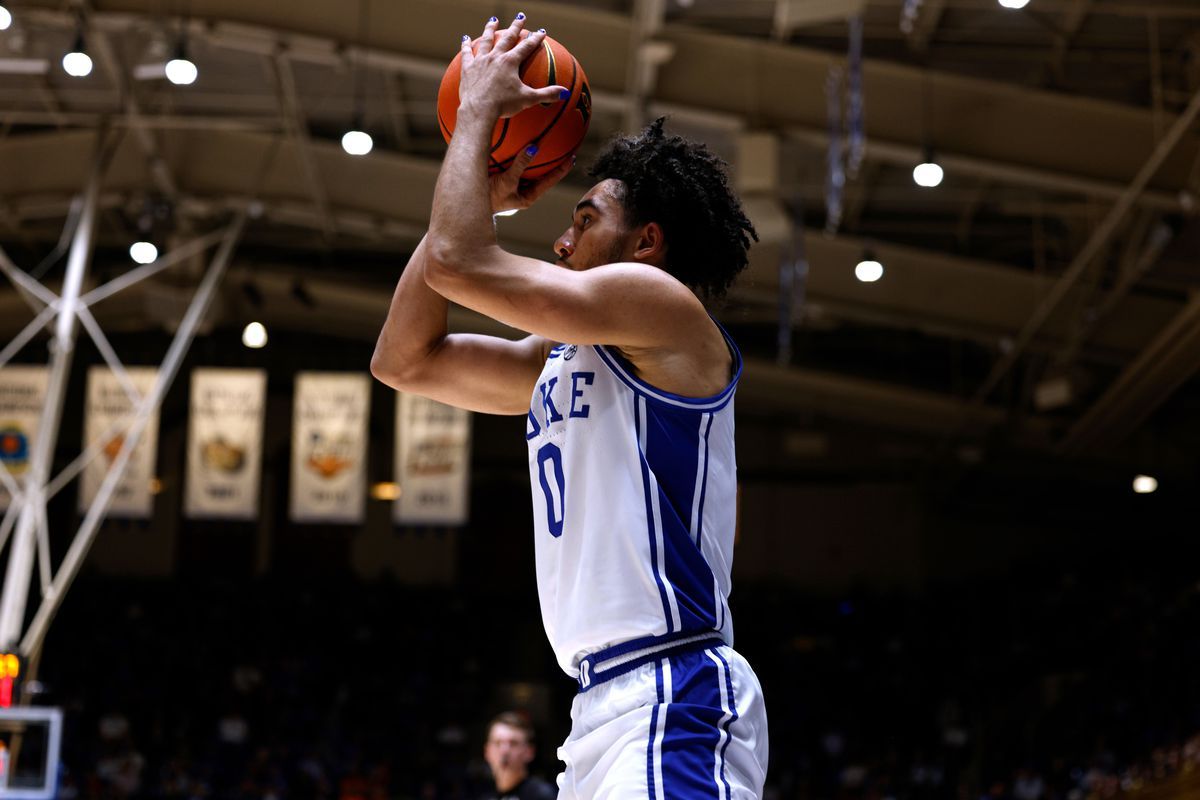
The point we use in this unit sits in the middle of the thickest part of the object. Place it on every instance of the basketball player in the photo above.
(508, 751)
(627, 386)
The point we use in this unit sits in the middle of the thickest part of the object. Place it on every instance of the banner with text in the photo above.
(329, 447)
(107, 414)
(225, 428)
(22, 395)
(433, 462)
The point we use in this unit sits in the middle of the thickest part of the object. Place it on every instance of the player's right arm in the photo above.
(416, 353)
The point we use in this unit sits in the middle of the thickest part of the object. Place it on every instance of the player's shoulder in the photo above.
(671, 295)
(538, 789)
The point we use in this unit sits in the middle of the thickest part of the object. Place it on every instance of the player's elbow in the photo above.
(444, 260)
(393, 368)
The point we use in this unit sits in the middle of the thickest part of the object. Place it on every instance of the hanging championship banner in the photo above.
(225, 427)
(433, 460)
(329, 447)
(22, 395)
(107, 415)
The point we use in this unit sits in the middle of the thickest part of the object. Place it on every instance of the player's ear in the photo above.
(651, 244)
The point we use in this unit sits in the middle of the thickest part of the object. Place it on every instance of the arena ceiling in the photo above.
(1058, 257)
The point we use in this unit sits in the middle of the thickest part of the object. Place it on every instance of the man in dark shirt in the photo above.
(508, 751)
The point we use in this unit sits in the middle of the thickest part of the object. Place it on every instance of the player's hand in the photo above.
(509, 190)
(490, 81)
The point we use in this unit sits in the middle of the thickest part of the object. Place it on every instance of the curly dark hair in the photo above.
(685, 189)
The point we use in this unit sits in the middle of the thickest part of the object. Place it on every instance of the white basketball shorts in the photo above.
(689, 726)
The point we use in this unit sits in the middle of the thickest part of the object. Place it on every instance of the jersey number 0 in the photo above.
(550, 475)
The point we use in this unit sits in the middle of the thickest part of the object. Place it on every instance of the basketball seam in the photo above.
(574, 83)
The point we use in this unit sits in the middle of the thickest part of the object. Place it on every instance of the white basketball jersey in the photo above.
(634, 504)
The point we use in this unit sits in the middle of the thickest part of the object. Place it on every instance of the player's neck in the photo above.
(508, 780)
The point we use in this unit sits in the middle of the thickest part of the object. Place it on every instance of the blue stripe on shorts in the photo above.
(696, 728)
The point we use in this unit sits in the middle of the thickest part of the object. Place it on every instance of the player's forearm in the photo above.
(415, 325)
(460, 227)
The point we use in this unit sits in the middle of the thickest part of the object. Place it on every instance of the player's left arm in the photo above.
(633, 305)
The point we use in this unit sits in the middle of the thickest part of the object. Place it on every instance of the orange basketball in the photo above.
(556, 128)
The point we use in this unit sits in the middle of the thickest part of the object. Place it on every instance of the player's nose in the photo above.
(564, 247)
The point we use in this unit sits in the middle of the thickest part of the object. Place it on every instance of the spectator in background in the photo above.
(509, 749)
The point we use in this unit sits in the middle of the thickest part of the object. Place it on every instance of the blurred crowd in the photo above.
(1045, 685)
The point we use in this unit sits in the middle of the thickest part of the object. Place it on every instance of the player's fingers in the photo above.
(488, 40)
(511, 35)
(549, 94)
(529, 44)
(465, 48)
(521, 161)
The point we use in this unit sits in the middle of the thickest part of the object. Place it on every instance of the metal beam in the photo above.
(159, 171)
(86, 535)
(62, 349)
(397, 104)
(313, 46)
(1160, 236)
(1094, 246)
(1013, 174)
(85, 119)
(926, 25)
(1170, 360)
(297, 130)
(1075, 17)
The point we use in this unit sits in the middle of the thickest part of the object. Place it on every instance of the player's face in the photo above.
(598, 233)
(506, 748)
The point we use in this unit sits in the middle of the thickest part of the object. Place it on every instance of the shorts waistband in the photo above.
(604, 665)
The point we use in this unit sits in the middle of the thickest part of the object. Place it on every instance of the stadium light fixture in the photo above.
(1145, 484)
(181, 70)
(928, 173)
(143, 252)
(254, 335)
(868, 269)
(77, 63)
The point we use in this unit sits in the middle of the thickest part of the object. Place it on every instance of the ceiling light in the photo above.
(868, 269)
(180, 69)
(1014, 3)
(143, 252)
(928, 173)
(357, 142)
(77, 63)
(5, 18)
(254, 335)
(1144, 484)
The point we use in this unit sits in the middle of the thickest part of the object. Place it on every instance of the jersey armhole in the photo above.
(623, 371)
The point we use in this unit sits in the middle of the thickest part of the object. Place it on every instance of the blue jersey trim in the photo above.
(654, 554)
(673, 447)
(654, 723)
(714, 403)
(703, 485)
(733, 712)
(692, 736)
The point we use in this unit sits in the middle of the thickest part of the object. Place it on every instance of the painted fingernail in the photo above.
(493, 19)
(520, 15)
(466, 38)
(564, 94)
(541, 30)
(531, 150)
